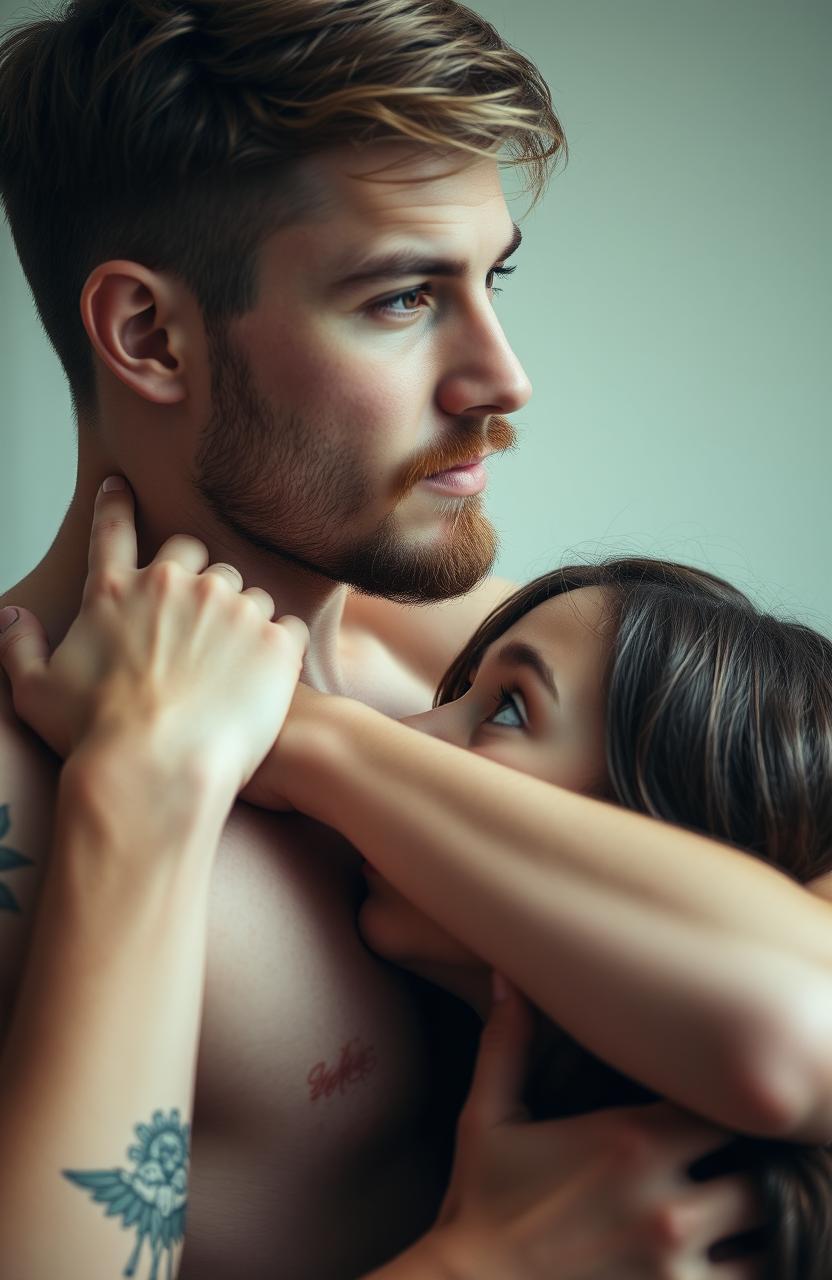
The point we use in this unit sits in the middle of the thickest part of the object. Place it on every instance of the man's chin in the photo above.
(449, 564)
(437, 561)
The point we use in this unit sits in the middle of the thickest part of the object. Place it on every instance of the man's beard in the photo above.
(277, 483)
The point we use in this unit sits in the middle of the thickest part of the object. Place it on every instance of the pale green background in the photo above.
(672, 305)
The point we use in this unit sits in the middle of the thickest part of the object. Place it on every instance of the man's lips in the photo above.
(460, 481)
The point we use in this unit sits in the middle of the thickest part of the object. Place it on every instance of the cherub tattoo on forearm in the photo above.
(10, 860)
(152, 1198)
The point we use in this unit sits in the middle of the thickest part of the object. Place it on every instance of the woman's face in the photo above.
(536, 704)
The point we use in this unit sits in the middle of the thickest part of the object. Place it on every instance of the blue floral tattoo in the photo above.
(153, 1197)
(10, 860)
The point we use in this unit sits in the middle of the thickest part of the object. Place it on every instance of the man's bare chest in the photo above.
(311, 1156)
(313, 1078)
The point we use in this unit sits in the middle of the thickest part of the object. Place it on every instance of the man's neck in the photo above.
(53, 589)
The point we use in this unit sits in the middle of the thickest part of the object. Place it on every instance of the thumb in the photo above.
(496, 1093)
(24, 648)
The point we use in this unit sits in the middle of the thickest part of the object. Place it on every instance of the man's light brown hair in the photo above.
(166, 132)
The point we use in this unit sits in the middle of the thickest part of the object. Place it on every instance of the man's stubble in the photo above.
(279, 484)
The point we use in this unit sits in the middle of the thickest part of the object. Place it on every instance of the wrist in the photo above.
(123, 787)
(315, 749)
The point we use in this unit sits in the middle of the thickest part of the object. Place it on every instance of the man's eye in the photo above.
(510, 712)
(402, 303)
(499, 272)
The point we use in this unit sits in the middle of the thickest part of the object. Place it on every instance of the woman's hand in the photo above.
(293, 753)
(176, 655)
(605, 1196)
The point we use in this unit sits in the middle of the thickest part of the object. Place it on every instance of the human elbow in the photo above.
(784, 1069)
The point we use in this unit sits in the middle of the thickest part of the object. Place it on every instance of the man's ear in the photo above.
(137, 321)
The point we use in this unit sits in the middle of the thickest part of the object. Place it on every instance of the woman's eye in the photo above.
(511, 711)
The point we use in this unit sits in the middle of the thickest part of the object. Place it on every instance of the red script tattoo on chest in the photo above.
(357, 1061)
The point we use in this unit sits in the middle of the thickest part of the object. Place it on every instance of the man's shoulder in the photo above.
(427, 637)
(28, 785)
(14, 734)
(28, 769)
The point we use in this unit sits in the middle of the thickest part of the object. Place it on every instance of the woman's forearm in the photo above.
(96, 1073)
(692, 967)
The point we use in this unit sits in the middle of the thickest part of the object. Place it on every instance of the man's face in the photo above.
(352, 405)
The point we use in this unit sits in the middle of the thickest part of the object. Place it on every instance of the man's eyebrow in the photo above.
(517, 654)
(411, 262)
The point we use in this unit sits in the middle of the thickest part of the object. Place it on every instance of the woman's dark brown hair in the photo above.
(719, 719)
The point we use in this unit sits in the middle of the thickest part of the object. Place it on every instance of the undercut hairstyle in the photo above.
(168, 132)
(718, 719)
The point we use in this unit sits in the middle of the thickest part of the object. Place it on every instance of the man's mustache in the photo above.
(463, 447)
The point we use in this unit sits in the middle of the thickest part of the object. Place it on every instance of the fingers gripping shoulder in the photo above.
(24, 651)
(290, 636)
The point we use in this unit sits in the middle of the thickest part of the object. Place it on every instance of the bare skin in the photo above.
(105, 1027)
(334, 1183)
(288, 984)
(267, 1158)
(585, 1199)
(164, 697)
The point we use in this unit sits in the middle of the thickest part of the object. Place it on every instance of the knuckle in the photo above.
(108, 524)
(280, 641)
(104, 584)
(240, 618)
(163, 576)
(668, 1226)
(284, 637)
(631, 1147)
(214, 586)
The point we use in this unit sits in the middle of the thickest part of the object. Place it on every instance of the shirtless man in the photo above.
(287, 343)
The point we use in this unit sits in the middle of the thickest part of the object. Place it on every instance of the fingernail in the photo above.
(8, 617)
(499, 987)
(112, 484)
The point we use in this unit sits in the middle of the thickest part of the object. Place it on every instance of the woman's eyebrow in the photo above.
(413, 262)
(518, 654)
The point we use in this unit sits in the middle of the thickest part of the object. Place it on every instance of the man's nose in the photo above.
(483, 375)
